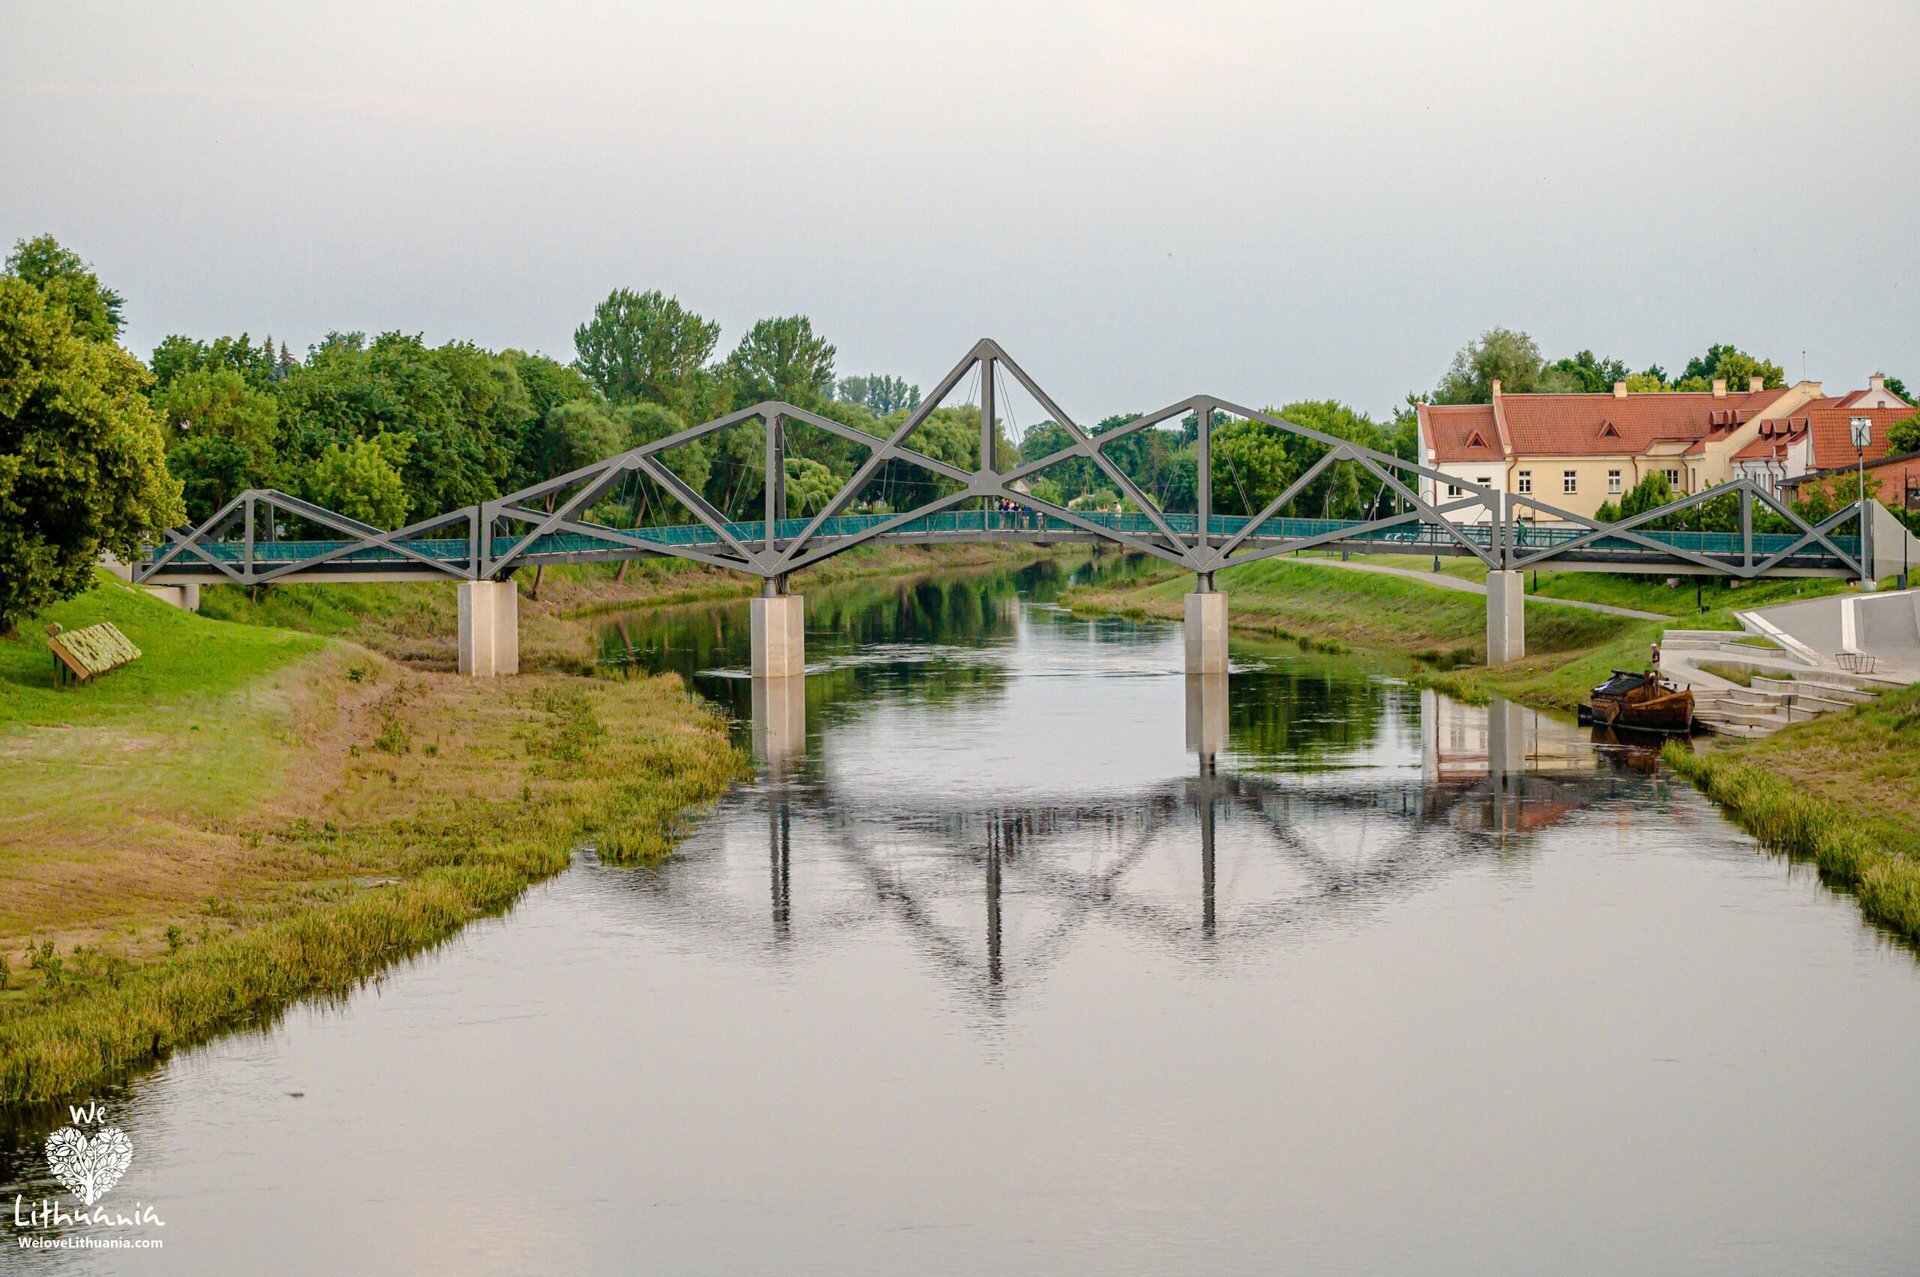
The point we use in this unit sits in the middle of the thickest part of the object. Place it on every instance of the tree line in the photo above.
(100, 452)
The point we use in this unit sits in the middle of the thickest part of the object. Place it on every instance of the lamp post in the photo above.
(1862, 428)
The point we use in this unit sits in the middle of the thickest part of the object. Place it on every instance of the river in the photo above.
(1027, 953)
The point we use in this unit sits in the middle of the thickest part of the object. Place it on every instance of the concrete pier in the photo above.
(779, 636)
(181, 596)
(1506, 617)
(1207, 632)
(489, 628)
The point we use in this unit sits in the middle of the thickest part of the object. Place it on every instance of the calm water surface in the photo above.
(1027, 953)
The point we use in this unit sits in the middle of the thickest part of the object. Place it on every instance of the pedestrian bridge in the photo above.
(267, 537)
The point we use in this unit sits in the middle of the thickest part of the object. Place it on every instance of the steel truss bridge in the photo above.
(549, 522)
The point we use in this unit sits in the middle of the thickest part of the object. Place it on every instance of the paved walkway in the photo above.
(1446, 582)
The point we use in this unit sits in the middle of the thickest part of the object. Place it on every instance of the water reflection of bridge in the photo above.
(993, 893)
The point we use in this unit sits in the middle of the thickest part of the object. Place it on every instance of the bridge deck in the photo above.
(1605, 553)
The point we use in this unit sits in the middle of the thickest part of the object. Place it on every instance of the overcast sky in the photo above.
(1268, 201)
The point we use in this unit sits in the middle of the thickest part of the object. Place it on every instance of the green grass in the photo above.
(1857, 845)
(1296, 598)
(162, 878)
(185, 661)
(1641, 593)
(1739, 675)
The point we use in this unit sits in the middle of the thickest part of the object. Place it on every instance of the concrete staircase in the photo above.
(1786, 688)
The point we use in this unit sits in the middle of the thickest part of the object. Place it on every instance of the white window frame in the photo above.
(1569, 483)
(1613, 482)
(1524, 484)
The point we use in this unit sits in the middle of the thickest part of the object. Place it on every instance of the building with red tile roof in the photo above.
(1577, 451)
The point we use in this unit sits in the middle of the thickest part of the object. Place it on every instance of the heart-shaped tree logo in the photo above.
(89, 1167)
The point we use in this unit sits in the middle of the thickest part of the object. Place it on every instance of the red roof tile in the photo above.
(1830, 422)
(1590, 425)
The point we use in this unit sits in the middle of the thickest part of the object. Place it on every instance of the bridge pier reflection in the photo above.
(1206, 737)
(780, 723)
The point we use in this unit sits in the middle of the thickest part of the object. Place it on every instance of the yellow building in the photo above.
(1577, 451)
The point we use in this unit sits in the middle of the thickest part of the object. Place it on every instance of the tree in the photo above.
(82, 469)
(646, 346)
(1648, 494)
(1588, 373)
(463, 408)
(1904, 434)
(362, 480)
(177, 355)
(782, 359)
(1894, 384)
(576, 434)
(1731, 364)
(1251, 466)
(1501, 354)
(69, 283)
(222, 437)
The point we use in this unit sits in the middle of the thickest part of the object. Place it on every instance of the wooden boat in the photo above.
(1640, 701)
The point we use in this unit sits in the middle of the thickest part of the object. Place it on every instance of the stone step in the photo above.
(1735, 729)
(1748, 717)
(1814, 687)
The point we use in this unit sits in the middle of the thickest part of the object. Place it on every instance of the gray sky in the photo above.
(1268, 201)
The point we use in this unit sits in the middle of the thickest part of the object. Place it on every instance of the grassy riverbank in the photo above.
(1332, 609)
(248, 816)
(1842, 792)
(292, 790)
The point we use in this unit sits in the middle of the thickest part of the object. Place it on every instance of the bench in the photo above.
(80, 655)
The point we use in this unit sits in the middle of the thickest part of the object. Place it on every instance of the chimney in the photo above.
(1619, 390)
(1877, 384)
(1719, 387)
(1756, 384)
(1496, 387)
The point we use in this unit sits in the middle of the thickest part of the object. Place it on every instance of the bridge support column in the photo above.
(1207, 631)
(489, 628)
(181, 596)
(1506, 617)
(780, 635)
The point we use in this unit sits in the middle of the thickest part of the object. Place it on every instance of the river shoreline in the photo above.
(1803, 792)
(286, 823)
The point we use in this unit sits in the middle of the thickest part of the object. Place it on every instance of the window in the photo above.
(1453, 489)
(1525, 486)
(1673, 480)
(1569, 482)
(1613, 481)
(1484, 481)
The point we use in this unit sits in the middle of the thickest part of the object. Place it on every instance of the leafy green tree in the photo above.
(1731, 364)
(1251, 466)
(1896, 385)
(70, 284)
(782, 359)
(1651, 492)
(222, 437)
(362, 480)
(647, 346)
(82, 469)
(1587, 373)
(1904, 434)
(257, 365)
(577, 434)
(810, 486)
(1501, 354)
(463, 408)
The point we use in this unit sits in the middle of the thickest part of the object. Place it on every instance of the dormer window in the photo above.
(1607, 430)
(1475, 441)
